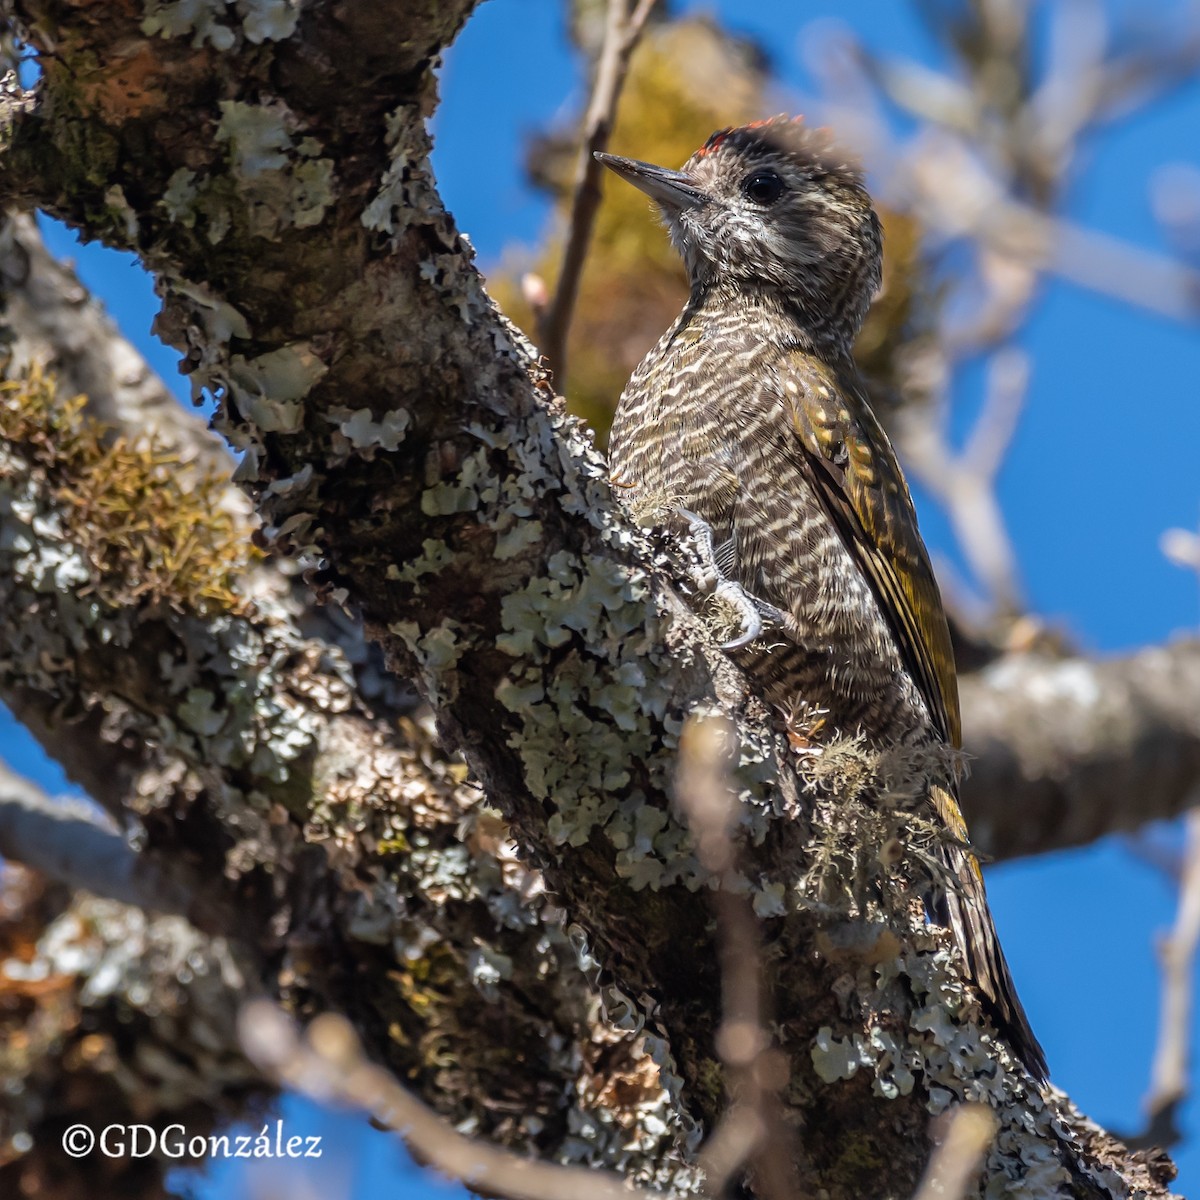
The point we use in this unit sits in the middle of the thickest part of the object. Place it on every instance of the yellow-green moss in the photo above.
(152, 527)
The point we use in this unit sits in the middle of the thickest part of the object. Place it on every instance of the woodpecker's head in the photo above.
(772, 207)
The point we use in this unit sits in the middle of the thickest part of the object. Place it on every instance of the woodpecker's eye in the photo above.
(763, 187)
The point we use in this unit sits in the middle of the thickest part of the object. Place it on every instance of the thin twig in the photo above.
(1170, 1071)
(965, 483)
(753, 1130)
(954, 1163)
(328, 1064)
(1003, 402)
(622, 30)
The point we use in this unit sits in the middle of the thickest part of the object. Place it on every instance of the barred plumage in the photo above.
(749, 415)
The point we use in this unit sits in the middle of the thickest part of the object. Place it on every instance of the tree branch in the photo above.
(1171, 1071)
(241, 751)
(622, 30)
(71, 844)
(107, 1017)
(965, 484)
(1064, 751)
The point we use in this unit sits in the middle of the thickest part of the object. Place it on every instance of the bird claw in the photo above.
(754, 614)
(735, 596)
(706, 575)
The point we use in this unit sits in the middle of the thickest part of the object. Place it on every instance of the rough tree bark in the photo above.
(270, 165)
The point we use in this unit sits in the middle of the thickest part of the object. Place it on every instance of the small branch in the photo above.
(1133, 80)
(989, 441)
(622, 31)
(1177, 956)
(328, 1064)
(1175, 201)
(1097, 261)
(955, 1162)
(76, 846)
(753, 1129)
(977, 207)
(965, 483)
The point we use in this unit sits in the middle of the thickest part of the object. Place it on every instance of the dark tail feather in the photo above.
(963, 909)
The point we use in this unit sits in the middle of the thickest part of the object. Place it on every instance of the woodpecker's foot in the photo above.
(755, 615)
(706, 575)
(752, 615)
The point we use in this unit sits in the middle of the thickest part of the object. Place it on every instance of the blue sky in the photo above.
(1102, 464)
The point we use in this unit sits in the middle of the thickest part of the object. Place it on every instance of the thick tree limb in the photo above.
(446, 967)
(347, 859)
(1065, 751)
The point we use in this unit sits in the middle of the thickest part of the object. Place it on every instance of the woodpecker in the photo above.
(748, 424)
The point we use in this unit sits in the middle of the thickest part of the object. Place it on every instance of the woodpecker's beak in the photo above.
(672, 189)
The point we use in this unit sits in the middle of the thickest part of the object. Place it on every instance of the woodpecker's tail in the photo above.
(963, 908)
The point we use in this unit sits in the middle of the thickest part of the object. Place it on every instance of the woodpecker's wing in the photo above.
(854, 468)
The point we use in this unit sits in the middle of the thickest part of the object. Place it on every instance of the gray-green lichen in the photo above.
(960, 1061)
(245, 709)
(581, 727)
(284, 181)
(269, 389)
(269, 20)
(363, 432)
(406, 186)
(216, 21)
(275, 178)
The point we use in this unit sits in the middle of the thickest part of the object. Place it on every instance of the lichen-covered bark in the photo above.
(51, 320)
(270, 164)
(349, 860)
(110, 1016)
